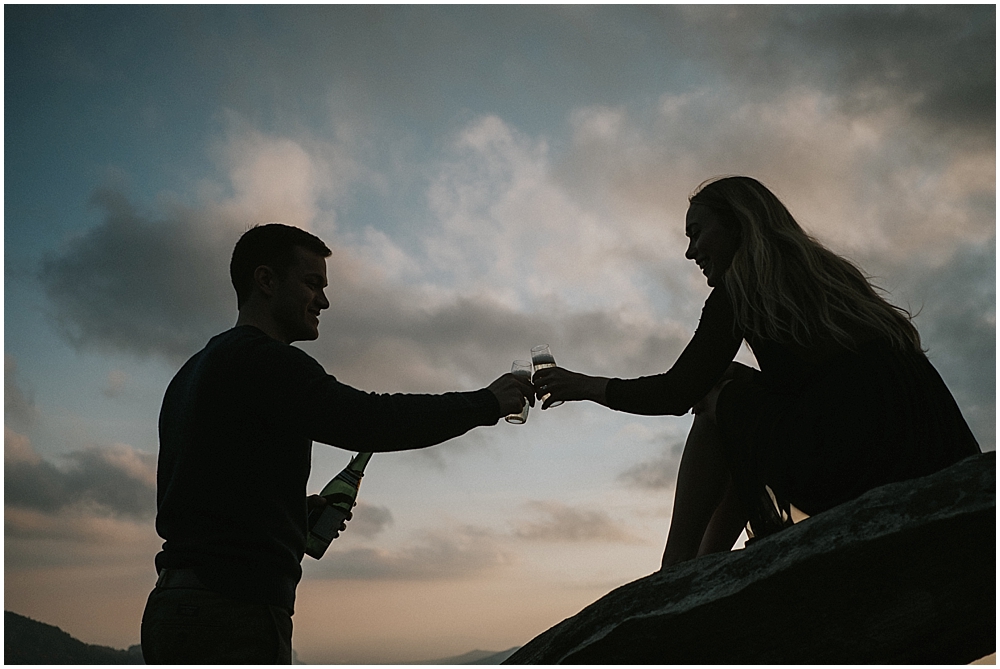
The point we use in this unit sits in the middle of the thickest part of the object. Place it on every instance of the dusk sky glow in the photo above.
(489, 178)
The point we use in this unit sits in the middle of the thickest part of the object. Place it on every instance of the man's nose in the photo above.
(323, 302)
(689, 254)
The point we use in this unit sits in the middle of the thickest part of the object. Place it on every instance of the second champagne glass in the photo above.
(520, 368)
(541, 358)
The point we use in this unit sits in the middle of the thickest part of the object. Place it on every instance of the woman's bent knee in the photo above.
(735, 372)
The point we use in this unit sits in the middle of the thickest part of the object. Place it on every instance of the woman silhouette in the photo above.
(845, 399)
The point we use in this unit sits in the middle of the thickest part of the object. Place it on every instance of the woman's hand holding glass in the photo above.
(561, 385)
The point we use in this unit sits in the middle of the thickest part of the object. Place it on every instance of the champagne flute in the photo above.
(522, 369)
(541, 358)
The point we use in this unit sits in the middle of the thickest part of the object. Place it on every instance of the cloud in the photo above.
(115, 480)
(656, 473)
(157, 282)
(559, 522)
(118, 547)
(18, 403)
(956, 316)
(140, 285)
(936, 61)
(115, 383)
(17, 449)
(457, 553)
(860, 183)
(929, 56)
(369, 520)
(274, 177)
(510, 230)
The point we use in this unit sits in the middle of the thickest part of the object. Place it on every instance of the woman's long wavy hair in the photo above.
(786, 286)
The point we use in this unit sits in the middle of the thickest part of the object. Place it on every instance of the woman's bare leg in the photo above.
(726, 526)
(702, 482)
(707, 512)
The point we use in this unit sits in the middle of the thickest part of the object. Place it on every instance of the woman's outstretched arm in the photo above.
(676, 391)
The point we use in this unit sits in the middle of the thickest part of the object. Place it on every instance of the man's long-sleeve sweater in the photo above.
(236, 431)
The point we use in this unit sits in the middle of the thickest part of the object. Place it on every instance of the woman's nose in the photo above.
(690, 254)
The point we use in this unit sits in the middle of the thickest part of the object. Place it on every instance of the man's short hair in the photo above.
(272, 245)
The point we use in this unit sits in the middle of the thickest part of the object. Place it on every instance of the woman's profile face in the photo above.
(712, 245)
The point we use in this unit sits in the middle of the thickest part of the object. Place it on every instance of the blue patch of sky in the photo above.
(92, 94)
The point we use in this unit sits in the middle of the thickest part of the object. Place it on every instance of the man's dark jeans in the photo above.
(194, 626)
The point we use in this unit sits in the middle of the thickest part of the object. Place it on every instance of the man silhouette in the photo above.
(236, 431)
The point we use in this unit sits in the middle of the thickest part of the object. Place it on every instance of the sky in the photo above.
(489, 178)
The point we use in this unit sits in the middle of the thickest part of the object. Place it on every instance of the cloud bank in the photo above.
(138, 285)
(562, 523)
(465, 551)
(935, 61)
(656, 473)
(576, 239)
(460, 552)
(115, 480)
(158, 285)
(582, 249)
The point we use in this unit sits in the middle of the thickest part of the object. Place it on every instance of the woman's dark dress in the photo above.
(818, 427)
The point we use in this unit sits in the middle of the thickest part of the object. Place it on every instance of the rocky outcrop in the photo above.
(904, 574)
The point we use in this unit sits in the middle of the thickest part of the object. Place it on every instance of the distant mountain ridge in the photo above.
(475, 657)
(27, 641)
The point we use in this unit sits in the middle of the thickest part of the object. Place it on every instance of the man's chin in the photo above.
(307, 334)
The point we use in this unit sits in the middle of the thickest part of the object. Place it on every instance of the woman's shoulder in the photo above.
(718, 309)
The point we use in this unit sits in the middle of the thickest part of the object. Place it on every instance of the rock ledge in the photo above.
(905, 574)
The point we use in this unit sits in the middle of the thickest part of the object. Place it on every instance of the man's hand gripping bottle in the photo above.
(340, 493)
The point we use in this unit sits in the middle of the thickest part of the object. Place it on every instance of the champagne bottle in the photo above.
(324, 522)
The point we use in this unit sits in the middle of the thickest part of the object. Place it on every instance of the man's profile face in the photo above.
(298, 297)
